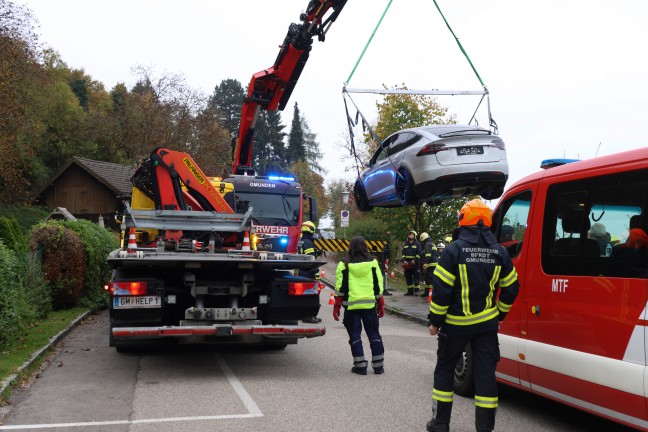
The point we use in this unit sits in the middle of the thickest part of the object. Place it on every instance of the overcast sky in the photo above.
(566, 78)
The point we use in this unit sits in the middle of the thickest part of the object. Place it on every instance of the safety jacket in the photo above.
(430, 254)
(412, 251)
(466, 281)
(306, 246)
(360, 283)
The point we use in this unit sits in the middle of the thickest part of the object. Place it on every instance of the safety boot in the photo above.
(485, 419)
(425, 293)
(410, 292)
(441, 412)
(433, 426)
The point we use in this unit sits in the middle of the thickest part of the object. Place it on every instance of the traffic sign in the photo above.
(344, 218)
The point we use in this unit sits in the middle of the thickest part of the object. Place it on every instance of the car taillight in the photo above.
(498, 143)
(432, 148)
(303, 288)
(128, 288)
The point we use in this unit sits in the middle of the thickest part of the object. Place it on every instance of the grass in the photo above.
(14, 354)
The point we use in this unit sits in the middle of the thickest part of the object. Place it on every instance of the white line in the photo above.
(253, 409)
(245, 397)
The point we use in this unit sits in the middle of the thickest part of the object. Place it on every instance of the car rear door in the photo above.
(378, 180)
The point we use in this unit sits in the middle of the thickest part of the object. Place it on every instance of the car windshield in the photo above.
(266, 209)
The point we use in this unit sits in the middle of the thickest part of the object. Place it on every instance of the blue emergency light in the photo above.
(550, 163)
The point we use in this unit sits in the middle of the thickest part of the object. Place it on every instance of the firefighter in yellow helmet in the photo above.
(411, 256)
(429, 258)
(306, 246)
(474, 287)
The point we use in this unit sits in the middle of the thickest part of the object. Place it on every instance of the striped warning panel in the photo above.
(339, 245)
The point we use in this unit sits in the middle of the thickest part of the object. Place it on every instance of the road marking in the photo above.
(250, 405)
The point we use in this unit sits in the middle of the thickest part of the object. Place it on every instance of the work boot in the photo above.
(410, 292)
(485, 419)
(387, 293)
(416, 290)
(425, 293)
(312, 320)
(433, 426)
(359, 370)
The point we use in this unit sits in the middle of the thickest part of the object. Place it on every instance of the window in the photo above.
(597, 226)
(403, 140)
(514, 222)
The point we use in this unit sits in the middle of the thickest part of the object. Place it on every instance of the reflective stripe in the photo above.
(442, 396)
(377, 364)
(338, 293)
(508, 280)
(358, 359)
(503, 306)
(377, 358)
(465, 290)
(486, 402)
(493, 281)
(308, 251)
(444, 275)
(477, 318)
(438, 309)
(348, 303)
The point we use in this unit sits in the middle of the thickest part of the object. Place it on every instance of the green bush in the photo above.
(36, 292)
(26, 216)
(63, 261)
(12, 234)
(97, 243)
(10, 317)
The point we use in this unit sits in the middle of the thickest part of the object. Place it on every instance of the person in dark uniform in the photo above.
(474, 287)
(411, 256)
(429, 258)
(306, 246)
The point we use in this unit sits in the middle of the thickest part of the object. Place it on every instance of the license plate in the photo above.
(137, 302)
(472, 150)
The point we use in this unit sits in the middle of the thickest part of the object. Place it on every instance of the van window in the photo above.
(597, 226)
(514, 222)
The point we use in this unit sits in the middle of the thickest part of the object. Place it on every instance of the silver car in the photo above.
(432, 163)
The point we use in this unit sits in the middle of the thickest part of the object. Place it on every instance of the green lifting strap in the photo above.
(368, 42)
(459, 43)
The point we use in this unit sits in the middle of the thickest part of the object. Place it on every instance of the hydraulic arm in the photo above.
(271, 88)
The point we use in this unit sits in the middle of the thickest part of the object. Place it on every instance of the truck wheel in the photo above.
(464, 379)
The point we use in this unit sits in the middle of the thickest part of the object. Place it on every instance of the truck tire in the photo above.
(464, 379)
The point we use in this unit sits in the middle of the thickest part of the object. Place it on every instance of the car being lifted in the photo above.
(432, 163)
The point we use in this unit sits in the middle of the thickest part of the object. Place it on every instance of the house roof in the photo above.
(114, 176)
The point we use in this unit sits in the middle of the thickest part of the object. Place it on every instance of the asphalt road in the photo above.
(87, 386)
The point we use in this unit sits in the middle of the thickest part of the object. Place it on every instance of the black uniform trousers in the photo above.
(353, 321)
(412, 278)
(485, 354)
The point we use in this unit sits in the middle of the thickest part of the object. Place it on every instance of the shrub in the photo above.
(97, 243)
(12, 234)
(36, 292)
(10, 319)
(63, 261)
(26, 216)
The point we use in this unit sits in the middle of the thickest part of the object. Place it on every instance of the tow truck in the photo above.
(189, 273)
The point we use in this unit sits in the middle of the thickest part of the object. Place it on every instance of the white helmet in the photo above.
(441, 246)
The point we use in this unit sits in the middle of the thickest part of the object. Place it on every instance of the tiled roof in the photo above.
(115, 176)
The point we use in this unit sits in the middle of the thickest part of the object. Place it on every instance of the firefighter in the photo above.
(359, 288)
(466, 308)
(306, 246)
(411, 256)
(429, 259)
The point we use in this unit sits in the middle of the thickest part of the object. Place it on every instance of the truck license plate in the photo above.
(137, 302)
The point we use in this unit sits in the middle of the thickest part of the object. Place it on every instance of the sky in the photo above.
(565, 78)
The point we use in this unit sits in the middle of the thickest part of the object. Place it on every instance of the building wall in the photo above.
(81, 194)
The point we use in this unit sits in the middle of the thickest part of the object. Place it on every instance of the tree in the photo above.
(269, 149)
(296, 150)
(312, 153)
(227, 100)
(312, 184)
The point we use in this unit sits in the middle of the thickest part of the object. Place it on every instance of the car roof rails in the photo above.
(550, 163)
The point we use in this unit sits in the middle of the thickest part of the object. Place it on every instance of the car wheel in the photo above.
(360, 196)
(464, 379)
(405, 188)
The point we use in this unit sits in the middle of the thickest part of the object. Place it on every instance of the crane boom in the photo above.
(271, 88)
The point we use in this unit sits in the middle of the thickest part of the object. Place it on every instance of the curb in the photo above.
(13, 378)
(391, 310)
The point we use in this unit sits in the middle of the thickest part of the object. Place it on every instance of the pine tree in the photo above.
(296, 139)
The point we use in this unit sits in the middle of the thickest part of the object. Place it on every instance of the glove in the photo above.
(380, 309)
(336, 307)
(412, 263)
